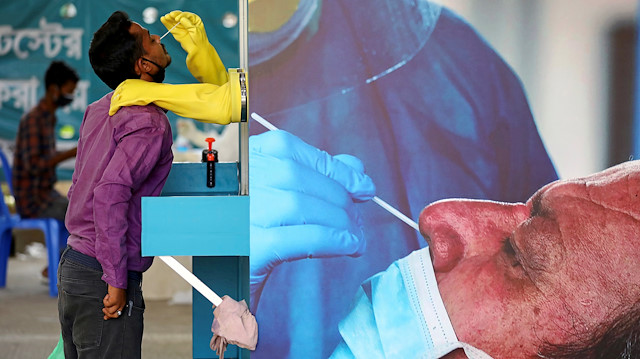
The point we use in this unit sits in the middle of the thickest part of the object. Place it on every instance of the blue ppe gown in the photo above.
(431, 110)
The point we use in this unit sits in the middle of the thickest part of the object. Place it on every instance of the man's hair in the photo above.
(617, 339)
(59, 74)
(114, 51)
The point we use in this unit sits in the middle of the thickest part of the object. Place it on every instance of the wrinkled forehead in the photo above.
(616, 188)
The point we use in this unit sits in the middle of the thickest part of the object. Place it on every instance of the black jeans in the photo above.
(84, 331)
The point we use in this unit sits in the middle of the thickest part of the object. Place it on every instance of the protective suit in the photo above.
(432, 111)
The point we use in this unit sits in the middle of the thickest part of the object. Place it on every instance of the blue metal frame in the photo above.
(210, 224)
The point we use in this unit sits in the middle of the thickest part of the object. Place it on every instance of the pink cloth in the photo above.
(233, 324)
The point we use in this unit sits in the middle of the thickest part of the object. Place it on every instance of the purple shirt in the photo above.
(120, 159)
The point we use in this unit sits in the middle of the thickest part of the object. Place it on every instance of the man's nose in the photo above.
(461, 229)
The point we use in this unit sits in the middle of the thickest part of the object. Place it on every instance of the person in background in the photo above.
(35, 156)
(121, 158)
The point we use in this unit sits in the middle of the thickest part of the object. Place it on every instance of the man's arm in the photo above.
(63, 155)
(135, 156)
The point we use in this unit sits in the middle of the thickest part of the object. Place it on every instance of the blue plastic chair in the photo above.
(55, 234)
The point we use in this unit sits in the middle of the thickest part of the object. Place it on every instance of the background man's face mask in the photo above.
(399, 313)
(64, 99)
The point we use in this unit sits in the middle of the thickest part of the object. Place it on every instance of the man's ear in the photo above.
(53, 89)
(142, 66)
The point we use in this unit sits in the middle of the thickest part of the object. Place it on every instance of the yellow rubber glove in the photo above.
(203, 60)
(202, 102)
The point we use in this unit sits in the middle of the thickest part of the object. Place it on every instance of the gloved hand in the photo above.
(202, 58)
(302, 204)
(203, 102)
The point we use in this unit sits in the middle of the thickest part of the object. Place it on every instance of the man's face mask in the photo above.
(64, 99)
(158, 76)
(399, 314)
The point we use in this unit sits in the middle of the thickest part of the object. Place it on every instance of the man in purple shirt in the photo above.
(120, 159)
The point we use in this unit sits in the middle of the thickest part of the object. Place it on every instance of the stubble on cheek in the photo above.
(483, 301)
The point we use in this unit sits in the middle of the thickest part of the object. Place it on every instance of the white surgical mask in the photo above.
(399, 313)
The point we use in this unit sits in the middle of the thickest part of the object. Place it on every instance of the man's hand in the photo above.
(114, 302)
(64, 155)
(302, 204)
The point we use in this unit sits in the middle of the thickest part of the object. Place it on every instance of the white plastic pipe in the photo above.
(192, 279)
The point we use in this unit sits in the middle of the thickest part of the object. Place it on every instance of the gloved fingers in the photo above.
(113, 109)
(132, 92)
(272, 246)
(186, 19)
(286, 174)
(120, 98)
(274, 208)
(190, 31)
(189, 20)
(356, 164)
(351, 161)
(169, 20)
(281, 144)
(291, 243)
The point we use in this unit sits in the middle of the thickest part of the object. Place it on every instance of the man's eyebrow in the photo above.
(536, 205)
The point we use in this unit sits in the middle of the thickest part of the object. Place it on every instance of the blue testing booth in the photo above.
(210, 224)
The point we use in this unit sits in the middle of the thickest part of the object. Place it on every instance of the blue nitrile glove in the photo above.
(302, 204)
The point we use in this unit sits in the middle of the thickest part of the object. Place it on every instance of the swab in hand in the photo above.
(376, 199)
(167, 33)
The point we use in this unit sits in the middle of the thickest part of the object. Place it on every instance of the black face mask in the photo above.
(63, 100)
(158, 76)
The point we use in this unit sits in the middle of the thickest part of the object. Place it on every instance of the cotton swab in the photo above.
(263, 122)
(192, 279)
(375, 199)
(167, 33)
(395, 212)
